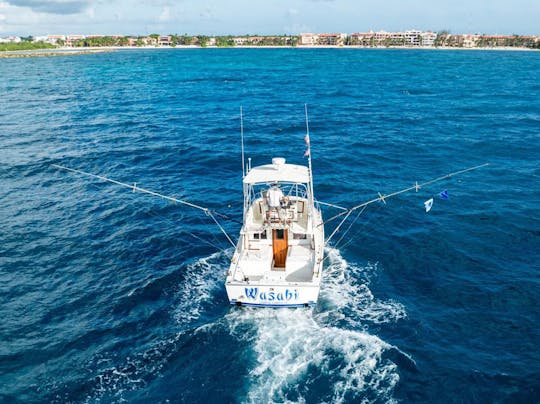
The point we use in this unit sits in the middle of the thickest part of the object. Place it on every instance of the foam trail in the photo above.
(325, 356)
(345, 294)
(203, 279)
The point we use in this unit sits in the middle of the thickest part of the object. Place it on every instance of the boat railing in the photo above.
(237, 258)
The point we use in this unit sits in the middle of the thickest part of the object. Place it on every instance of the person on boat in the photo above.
(275, 195)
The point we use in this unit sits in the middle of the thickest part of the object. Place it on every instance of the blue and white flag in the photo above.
(428, 204)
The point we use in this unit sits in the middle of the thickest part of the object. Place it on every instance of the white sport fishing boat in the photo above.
(279, 255)
(278, 258)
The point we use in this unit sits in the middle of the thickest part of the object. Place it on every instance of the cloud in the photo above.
(53, 6)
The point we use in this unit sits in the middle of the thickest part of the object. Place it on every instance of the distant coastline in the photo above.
(65, 51)
(186, 47)
(411, 39)
(51, 53)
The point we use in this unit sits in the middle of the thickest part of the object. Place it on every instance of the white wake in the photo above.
(323, 354)
(204, 278)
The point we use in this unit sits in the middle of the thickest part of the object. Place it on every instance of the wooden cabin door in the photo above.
(280, 244)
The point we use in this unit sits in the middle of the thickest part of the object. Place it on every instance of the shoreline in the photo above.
(68, 51)
(184, 47)
(52, 52)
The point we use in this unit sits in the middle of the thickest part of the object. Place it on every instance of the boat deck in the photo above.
(255, 265)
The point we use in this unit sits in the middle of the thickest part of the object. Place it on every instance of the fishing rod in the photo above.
(135, 188)
(382, 198)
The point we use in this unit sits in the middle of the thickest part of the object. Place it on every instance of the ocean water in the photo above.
(112, 296)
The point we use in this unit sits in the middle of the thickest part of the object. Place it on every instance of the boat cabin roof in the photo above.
(277, 173)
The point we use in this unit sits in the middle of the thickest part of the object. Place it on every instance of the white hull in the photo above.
(272, 296)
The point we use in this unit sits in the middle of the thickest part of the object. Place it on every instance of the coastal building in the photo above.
(149, 41)
(361, 39)
(308, 39)
(397, 39)
(508, 41)
(322, 39)
(164, 40)
(71, 39)
(470, 41)
(531, 41)
(381, 37)
(412, 38)
(332, 39)
(239, 41)
(428, 38)
(54, 39)
(10, 39)
(455, 41)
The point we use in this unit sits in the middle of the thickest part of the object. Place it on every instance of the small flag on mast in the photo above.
(428, 204)
(307, 152)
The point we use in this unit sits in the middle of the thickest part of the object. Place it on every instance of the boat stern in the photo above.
(245, 294)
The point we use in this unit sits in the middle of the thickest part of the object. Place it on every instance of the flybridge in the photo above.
(277, 171)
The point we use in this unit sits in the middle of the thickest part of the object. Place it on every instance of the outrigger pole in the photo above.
(382, 198)
(242, 139)
(134, 187)
(308, 152)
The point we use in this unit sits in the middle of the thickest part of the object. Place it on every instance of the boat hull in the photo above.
(293, 295)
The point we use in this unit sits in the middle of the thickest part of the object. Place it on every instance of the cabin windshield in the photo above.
(275, 192)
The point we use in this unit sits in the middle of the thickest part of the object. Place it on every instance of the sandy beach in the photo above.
(67, 51)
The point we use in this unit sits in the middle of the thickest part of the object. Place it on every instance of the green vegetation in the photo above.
(441, 37)
(202, 40)
(102, 41)
(25, 45)
(224, 41)
(444, 38)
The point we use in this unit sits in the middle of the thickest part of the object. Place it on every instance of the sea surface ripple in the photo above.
(110, 296)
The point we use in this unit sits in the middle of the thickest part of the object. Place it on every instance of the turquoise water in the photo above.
(109, 296)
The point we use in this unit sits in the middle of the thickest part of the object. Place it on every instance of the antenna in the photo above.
(307, 121)
(242, 139)
(308, 152)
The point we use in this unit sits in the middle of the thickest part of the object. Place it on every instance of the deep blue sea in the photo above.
(112, 296)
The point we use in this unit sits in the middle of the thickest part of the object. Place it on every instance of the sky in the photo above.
(240, 17)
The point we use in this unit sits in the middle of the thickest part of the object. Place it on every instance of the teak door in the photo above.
(279, 247)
